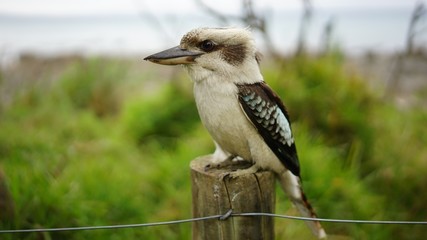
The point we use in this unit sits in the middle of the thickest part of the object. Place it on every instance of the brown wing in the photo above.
(268, 114)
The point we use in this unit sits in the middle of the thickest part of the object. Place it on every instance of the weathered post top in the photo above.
(214, 194)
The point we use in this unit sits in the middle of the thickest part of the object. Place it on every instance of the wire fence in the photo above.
(218, 217)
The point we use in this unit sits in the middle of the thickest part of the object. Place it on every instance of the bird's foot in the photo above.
(240, 172)
(232, 162)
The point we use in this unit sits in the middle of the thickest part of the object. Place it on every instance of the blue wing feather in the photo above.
(268, 114)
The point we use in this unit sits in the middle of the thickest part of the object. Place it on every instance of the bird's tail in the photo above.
(291, 184)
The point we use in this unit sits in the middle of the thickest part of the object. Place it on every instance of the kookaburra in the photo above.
(245, 118)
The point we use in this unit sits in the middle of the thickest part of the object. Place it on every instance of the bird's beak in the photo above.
(174, 56)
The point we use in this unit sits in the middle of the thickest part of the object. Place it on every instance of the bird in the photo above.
(244, 116)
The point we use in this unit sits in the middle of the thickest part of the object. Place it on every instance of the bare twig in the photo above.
(222, 18)
(155, 20)
(305, 21)
(249, 17)
(327, 36)
(418, 13)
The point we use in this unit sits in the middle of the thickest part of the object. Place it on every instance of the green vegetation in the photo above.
(103, 145)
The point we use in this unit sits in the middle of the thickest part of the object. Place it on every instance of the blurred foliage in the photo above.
(91, 84)
(163, 117)
(324, 96)
(99, 146)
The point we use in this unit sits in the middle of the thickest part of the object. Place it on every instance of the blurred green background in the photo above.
(106, 143)
(88, 141)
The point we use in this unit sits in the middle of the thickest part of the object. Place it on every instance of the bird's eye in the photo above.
(207, 45)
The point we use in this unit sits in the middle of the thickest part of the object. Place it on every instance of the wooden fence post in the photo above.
(213, 195)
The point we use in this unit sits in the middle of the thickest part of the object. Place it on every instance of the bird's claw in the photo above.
(220, 164)
(224, 176)
(232, 163)
(231, 175)
(211, 166)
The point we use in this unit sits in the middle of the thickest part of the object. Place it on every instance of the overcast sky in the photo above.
(382, 29)
(91, 7)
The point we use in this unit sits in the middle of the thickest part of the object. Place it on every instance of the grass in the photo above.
(99, 146)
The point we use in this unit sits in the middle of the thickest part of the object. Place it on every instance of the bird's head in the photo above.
(214, 52)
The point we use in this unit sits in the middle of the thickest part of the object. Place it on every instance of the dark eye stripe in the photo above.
(207, 46)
